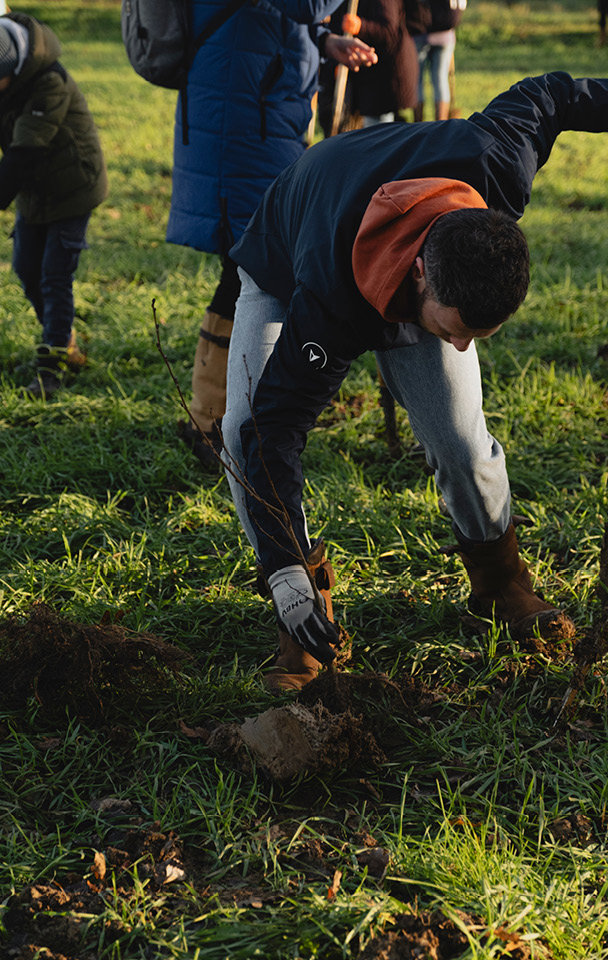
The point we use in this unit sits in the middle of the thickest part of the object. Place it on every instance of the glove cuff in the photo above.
(296, 574)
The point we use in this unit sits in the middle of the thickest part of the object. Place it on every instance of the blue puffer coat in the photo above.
(249, 93)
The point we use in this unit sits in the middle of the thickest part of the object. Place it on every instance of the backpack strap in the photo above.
(214, 23)
(16, 101)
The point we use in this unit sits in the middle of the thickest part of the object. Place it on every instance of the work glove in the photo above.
(299, 616)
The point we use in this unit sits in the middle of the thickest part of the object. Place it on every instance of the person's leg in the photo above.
(65, 240)
(440, 57)
(258, 321)
(45, 258)
(369, 121)
(441, 390)
(29, 241)
(202, 432)
(422, 49)
(454, 112)
(209, 370)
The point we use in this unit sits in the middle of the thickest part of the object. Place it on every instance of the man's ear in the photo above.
(418, 269)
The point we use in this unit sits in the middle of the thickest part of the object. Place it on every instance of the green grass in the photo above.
(483, 805)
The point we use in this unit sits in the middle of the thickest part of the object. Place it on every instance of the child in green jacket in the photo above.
(53, 165)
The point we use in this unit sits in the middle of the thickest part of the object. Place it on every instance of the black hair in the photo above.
(477, 261)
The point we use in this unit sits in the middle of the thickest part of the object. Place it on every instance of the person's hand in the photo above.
(351, 23)
(350, 51)
(297, 614)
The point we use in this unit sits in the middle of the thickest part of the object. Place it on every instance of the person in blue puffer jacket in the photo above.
(248, 108)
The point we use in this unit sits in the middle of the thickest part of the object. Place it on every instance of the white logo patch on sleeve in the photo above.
(315, 354)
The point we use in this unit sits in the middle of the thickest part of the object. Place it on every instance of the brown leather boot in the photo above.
(208, 403)
(293, 667)
(501, 587)
(76, 359)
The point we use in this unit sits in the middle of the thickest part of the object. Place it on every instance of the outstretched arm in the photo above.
(525, 121)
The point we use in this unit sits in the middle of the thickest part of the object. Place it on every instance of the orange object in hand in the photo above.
(351, 23)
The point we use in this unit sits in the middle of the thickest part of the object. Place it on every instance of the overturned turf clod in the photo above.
(295, 739)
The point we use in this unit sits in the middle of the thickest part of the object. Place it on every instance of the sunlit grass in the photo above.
(106, 513)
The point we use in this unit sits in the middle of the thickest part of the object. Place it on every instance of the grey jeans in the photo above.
(439, 387)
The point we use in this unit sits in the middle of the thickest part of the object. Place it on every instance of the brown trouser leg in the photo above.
(209, 372)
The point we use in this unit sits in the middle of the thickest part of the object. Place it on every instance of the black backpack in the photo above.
(159, 41)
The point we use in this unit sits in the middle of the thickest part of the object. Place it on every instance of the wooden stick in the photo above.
(341, 79)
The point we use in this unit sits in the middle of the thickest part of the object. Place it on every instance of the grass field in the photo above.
(453, 811)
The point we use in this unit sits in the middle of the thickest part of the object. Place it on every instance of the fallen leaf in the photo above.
(173, 872)
(335, 885)
(194, 733)
(111, 803)
(98, 867)
(369, 787)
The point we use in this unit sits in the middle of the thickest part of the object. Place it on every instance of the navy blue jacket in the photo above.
(298, 248)
(303, 232)
(248, 96)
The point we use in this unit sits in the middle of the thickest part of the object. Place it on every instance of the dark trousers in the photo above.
(45, 257)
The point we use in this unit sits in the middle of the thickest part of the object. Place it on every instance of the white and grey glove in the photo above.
(298, 616)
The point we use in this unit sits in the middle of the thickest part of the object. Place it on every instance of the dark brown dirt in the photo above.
(373, 695)
(50, 920)
(432, 936)
(82, 668)
(53, 920)
(577, 829)
(340, 720)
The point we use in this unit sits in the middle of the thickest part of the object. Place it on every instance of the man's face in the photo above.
(443, 322)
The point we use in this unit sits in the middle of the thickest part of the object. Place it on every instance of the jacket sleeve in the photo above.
(310, 360)
(307, 11)
(43, 113)
(383, 29)
(524, 123)
(11, 176)
(14, 168)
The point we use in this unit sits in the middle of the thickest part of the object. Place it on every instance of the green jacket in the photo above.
(53, 160)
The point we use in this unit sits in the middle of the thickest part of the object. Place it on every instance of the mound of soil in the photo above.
(339, 720)
(373, 695)
(427, 935)
(295, 739)
(81, 668)
(432, 936)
